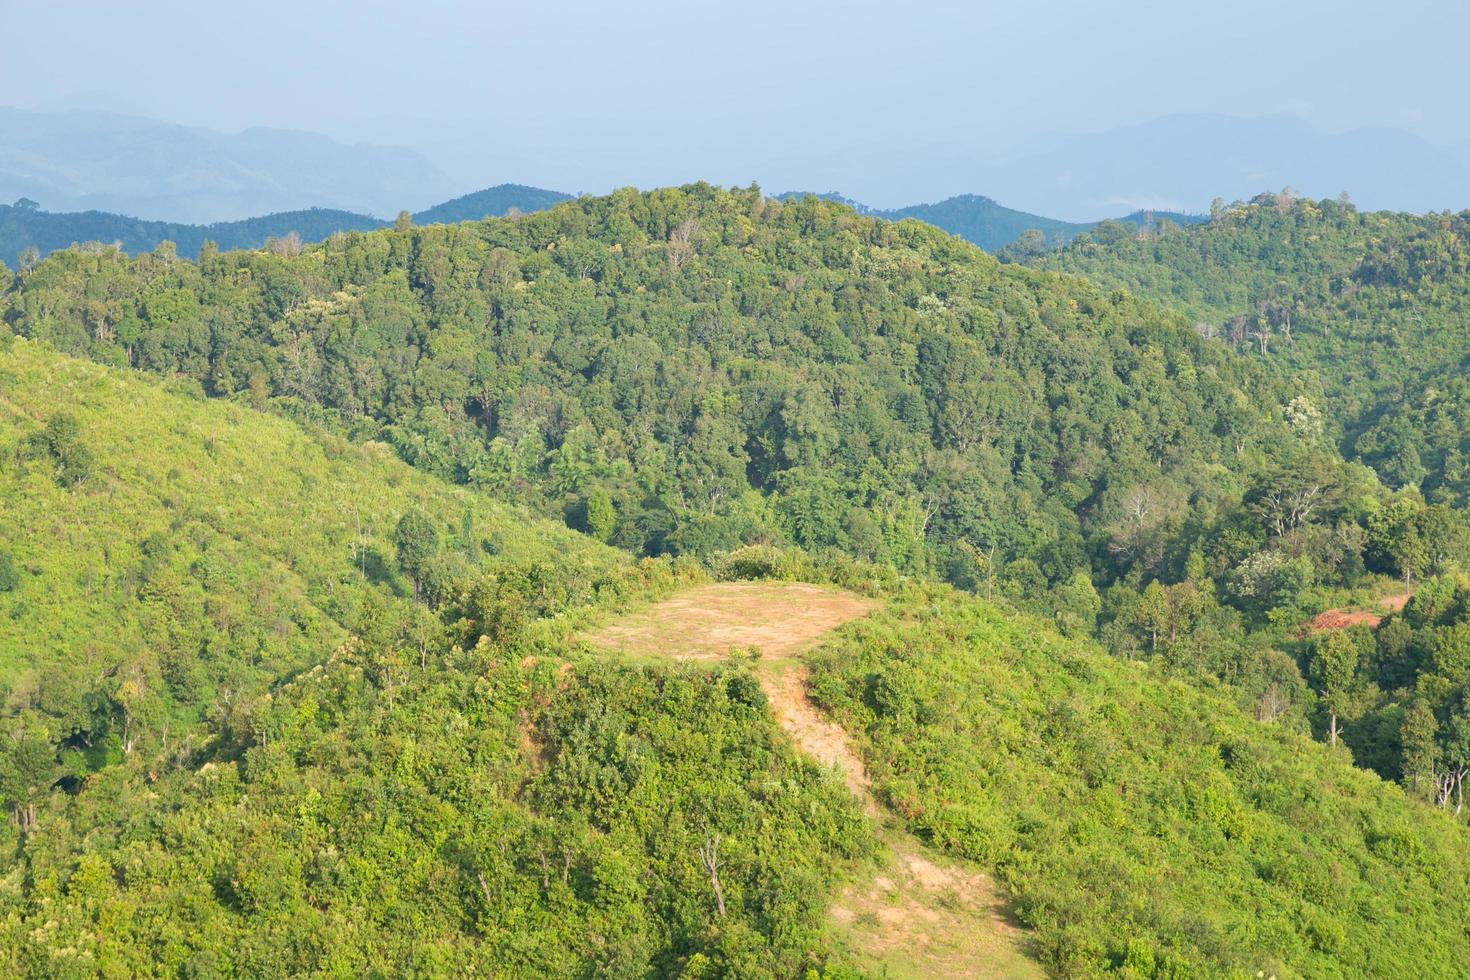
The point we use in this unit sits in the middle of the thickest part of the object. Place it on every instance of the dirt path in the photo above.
(812, 732)
(922, 915)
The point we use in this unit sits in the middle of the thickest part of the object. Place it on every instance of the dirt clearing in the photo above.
(1341, 619)
(780, 618)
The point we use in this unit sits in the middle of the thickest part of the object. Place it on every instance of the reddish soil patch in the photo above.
(1341, 619)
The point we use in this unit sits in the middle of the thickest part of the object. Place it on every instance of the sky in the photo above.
(893, 100)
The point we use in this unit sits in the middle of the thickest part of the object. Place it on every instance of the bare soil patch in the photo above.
(927, 916)
(812, 731)
(1341, 619)
(781, 619)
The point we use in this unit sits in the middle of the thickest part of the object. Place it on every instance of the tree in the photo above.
(403, 222)
(1455, 744)
(9, 574)
(61, 440)
(709, 856)
(25, 204)
(1335, 669)
(1395, 540)
(416, 541)
(1294, 494)
(1031, 243)
(1418, 734)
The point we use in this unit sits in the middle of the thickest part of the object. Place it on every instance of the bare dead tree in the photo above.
(681, 244)
(709, 855)
(484, 888)
(288, 245)
(1272, 704)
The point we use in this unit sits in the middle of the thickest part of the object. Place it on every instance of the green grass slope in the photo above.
(210, 546)
(1144, 824)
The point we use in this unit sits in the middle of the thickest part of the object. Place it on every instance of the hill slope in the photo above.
(22, 228)
(1143, 824)
(233, 741)
(991, 225)
(492, 202)
(244, 733)
(198, 550)
(689, 369)
(1367, 307)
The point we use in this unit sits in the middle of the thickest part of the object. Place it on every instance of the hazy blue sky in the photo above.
(587, 95)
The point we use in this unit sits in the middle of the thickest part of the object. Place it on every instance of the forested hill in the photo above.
(1368, 309)
(23, 228)
(273, 702)
(686, 370)
(491, 202)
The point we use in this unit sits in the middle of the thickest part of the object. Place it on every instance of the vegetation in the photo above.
(234, 743)
(1364, 311)
(1145, 826)
(278, 702)
(690, 370)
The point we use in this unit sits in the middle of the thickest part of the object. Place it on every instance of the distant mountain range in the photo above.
(80, 161)
(22, 226)
(978, 219)
(1181, 162)
(993, 226)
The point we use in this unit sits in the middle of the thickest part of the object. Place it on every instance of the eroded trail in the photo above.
(812, 731)
(922, 915)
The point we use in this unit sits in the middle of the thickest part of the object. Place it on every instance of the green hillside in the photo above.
(692, 369)
(236, 743)
(1367, 308)
(167, 554)
(277, 702)
(1146, 827)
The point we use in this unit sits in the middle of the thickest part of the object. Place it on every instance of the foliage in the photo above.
(1138, 819)
(1365, 310)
